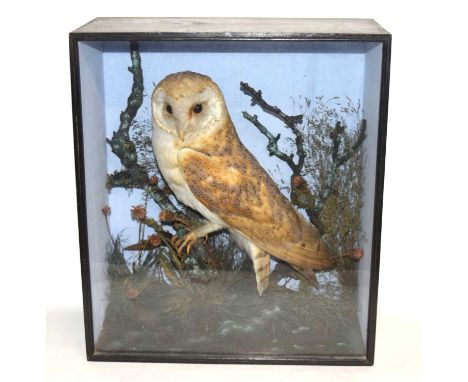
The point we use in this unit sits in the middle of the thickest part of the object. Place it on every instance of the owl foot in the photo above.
(185, 241)
(190, 238)
(182, 222)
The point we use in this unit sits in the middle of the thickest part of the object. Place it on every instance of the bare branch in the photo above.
(338, 161)
(291, 121)
(301, 194)
(257, 99)
(360, 139)
(336, 139)
(272, 145)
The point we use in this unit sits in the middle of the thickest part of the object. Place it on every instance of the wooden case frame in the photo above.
(154, 29)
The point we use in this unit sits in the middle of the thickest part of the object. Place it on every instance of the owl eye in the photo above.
(197, 108)
(169, 109)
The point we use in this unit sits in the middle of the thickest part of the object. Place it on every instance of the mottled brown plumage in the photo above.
(209, 169)
(226, 178)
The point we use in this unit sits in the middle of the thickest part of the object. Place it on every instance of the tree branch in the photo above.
(291, 122)
(120, 144)
(257, 99)
(338, 161)
(133, 175)
(272, 145)
(301, 194)
(360, 139)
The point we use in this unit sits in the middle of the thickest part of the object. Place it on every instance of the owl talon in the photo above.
(174, 240)
(186, 241)
(179, 251)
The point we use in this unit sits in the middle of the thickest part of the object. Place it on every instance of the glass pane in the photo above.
(283, 267)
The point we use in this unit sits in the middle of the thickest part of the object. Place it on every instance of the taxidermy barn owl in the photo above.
(208, 168)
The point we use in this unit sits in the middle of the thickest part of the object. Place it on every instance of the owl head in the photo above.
(188, 105)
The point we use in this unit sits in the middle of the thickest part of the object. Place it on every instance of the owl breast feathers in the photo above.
(203, 160)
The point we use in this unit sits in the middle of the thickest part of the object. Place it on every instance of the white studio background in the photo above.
(421, 328)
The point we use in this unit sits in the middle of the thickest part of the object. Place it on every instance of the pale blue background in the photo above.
(311, 69)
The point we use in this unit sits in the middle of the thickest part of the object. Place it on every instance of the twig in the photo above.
(301, 194)
(121, 144)
(272, 145)
(291, 121)
(360, 139)
(133, 175)
(257, 99)
(109, 230)
(338, 161)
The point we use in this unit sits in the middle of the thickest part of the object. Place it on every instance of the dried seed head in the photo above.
(106, 210)
(167, 216)
(138, 212)
(154, 240)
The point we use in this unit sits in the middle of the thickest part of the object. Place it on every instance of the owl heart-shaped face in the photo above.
(187, 105)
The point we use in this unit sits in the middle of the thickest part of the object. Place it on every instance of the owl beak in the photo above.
(181, 132)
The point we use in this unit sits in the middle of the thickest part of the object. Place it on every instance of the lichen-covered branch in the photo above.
(272, 145)
(120, 143)
(133, 174)
(291, 122)
(257, 99)
(301, 193)
(338, 161)
(162, 200)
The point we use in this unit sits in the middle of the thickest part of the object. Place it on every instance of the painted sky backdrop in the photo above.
(282, 75)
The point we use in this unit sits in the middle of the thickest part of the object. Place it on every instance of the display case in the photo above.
(230, 180)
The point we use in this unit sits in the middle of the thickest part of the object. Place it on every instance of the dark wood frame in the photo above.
(92, 355)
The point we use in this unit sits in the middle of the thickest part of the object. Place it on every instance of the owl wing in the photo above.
(243, 195)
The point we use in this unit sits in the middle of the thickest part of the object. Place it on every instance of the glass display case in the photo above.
(230, 183)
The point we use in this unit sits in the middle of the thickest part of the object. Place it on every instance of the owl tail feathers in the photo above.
(261, 265)
(312, 252)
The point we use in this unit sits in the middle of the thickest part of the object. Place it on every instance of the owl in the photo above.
(208, 169)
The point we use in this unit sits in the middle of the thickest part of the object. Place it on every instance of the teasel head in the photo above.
(138, 213)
